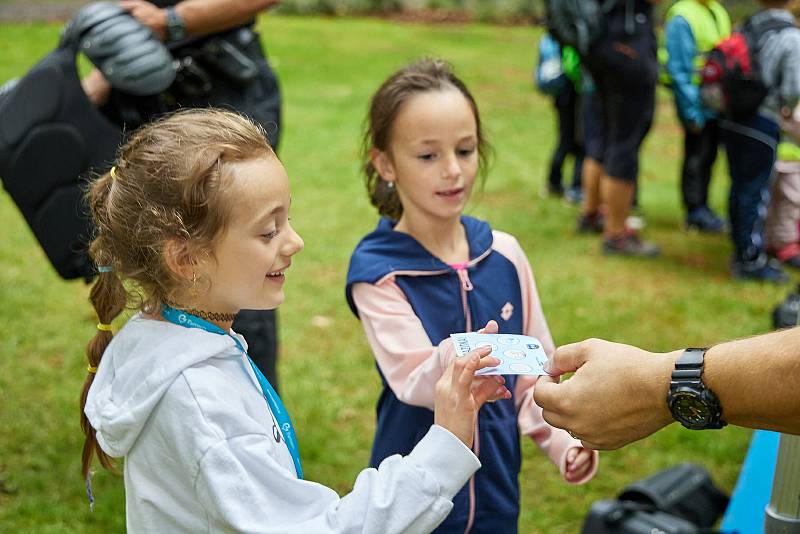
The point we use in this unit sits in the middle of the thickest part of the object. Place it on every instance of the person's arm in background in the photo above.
(790, 124)
(618, 393)
(200, 16)
(681, 48)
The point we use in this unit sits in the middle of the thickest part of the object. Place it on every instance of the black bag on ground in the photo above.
(685, 490)
(626, 517)
(682, 499)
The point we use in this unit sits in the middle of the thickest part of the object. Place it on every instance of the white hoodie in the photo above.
(185, 410)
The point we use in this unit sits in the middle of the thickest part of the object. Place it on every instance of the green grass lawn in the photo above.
(328, 69)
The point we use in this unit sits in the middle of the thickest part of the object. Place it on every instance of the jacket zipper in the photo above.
(466, 285)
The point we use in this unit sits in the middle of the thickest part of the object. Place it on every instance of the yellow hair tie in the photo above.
(91, 369)
(113, 172)
(105, 327)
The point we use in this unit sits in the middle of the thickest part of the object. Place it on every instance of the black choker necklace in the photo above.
(208, 316)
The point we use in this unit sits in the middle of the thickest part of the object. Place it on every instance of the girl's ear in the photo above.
(180, 260)
(383, 164)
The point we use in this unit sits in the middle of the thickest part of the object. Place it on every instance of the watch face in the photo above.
(689, 409)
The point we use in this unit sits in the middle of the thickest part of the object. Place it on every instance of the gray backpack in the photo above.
(578, 23)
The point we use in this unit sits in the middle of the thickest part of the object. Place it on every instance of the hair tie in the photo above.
(113, 172)
(92, 369)
(105, 269)
(105, 327)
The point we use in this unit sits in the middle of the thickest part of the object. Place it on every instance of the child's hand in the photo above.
(460, 394)
(490, 328)
(579, 462)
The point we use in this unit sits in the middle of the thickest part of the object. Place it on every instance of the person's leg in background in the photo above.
(591, 218)
(565, 108)
(628, 112)
(781, 233)
(699, 154)
(750, 146)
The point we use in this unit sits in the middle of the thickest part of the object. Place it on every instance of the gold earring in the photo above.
(194, 277)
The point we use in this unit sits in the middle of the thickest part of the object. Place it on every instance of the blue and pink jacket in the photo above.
(409, 302)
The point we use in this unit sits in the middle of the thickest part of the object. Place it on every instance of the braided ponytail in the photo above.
(108, 297)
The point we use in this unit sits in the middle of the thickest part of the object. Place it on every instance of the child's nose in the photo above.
(294, 243)
(452, 169)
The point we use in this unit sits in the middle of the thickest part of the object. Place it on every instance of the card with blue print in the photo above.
(518, 354)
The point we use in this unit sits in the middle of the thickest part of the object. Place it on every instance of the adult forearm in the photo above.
(209, 16)
(757, 380)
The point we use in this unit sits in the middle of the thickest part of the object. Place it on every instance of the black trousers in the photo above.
(699, 155)
(567, 106)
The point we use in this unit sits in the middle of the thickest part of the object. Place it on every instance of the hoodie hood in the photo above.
(134, 374)
(385, 251)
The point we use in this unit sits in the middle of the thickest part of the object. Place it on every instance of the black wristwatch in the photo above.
(176, 27)
(692, 404)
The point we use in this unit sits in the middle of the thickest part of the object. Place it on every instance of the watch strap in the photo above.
(176, 27)
(688, 374)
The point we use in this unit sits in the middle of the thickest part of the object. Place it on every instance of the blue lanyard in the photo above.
(181, 318)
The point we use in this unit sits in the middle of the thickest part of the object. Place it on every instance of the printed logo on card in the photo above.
(507, 311)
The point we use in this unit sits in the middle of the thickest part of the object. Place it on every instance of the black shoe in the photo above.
(590, 224)
(761, 270)
(630, 244)
(704, 220)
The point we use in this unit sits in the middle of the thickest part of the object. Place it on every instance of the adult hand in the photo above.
(148, 14)
(460, 394)
(96, 87)
(617, 395)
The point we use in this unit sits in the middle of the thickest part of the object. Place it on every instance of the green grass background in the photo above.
(328, 69)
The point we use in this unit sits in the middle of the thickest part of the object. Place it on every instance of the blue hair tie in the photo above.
(105, 269)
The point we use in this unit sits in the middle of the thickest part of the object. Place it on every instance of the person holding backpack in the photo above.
(693, 28)
(771, 41)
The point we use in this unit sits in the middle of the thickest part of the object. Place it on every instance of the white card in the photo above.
(518, 354)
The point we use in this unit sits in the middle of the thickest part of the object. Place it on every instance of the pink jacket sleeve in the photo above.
(554, 442)
(408, 360)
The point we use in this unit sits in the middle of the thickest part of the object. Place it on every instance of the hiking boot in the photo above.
(630, 244)
(761, 269)
(787, 254)
(704, 220)
(590, 224)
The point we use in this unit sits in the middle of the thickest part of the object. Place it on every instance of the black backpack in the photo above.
(731, 81)
(578, 23)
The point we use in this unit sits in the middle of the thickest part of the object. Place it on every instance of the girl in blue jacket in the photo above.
(428, 271)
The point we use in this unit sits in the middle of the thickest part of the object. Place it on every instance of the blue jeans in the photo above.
(750, 146)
